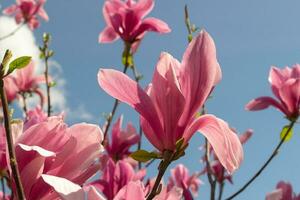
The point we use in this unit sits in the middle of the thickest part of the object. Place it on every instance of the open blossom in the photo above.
(285, 84)
(121, 140)
(125, 19)
(52, 148)
(115, 176)
(180, 177)
(284, 191)
(26, 11)
(24, 80)
(170, 103)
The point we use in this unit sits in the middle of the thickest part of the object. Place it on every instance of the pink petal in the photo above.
(108, 35)
(168, 98)
(199, 73)
(223, 140)
(43, 14)
(152, 24)
(263, 103)
(109, 8)
(133, 190)
(246, 136)
(275, 195)
(143, 7)
(10, 10)
(126, 90)
(287, 190)
(290, 95)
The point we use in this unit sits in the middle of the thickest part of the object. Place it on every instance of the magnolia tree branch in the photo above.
(10, 143)
(274, 153)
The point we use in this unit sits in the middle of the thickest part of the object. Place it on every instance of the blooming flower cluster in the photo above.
(41, 157)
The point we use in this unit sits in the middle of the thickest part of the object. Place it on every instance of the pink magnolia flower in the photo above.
(52, 148)
(136, 190)
(285, 84)
(180, 177)
(24, 80)
(26, 11)
(170, 103)
(284, 191)
(35, 116)
(122, 140)
(115, 176)
(125, 19)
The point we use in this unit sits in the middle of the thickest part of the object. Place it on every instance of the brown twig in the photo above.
(274, 153)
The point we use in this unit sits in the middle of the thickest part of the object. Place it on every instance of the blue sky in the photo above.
(250, 37)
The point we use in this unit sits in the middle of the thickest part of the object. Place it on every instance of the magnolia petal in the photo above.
(10, 10)
(143, 7)
(108, 35)
(168, 98)
(65, 188)
(43, 14)
(133, 190)
(263, 103)
(290, 95)
(223, 140)
(152, 24)
(199, 73)
(126, 90)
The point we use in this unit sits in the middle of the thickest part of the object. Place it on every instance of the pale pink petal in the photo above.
(133, 190)
(168, 97)
(65, 188)
(143, 7)
(152, 24)
(108, 35)
(246, 136)
(109, 8)
(263, 103)
(126, 90)
(10, 10)
(275, 195)
(199, 73)
(43, 14)
(223, 140)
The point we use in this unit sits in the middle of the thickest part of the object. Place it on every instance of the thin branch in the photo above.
(10, 144)
(211, 181)
(274, 153)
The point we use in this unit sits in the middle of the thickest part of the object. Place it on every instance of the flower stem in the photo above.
(211, 181)
(10, 144)
(221, 185)
(127, 55)
(47, 87)
(274, 153)
(24, 103)
(167, 159)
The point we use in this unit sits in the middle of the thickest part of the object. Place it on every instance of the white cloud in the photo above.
(23, 43)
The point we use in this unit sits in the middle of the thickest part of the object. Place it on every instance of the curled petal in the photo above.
(10, 10)
(152, 24)
(108, 35)
(263, 103)
(133, 190)
(126, 90)
(223, 140)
